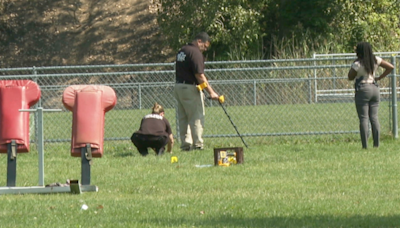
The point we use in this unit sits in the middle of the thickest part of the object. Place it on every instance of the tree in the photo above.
(233, 25)
(265, 29)
(375, 21)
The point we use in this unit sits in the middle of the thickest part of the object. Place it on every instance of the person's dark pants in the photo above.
(142, 142)
(367, 104)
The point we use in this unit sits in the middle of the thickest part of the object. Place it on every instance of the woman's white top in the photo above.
(368, 78)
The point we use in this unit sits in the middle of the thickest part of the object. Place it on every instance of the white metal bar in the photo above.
(44, 190)
(40, 145)
(352, 54)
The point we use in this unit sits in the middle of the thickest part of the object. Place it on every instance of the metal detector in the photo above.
(221, 100)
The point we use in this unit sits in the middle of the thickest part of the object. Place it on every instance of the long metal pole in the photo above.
(315, 81)
(233, 124)
(40, 140)
(11, 164)
(394, 100)
(40, 145)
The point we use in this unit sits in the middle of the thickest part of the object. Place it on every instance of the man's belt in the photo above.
(185, 82)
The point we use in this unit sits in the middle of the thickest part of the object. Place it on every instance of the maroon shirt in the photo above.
(154, 124)
(189, 61)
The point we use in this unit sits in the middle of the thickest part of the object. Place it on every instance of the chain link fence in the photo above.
(263, 98)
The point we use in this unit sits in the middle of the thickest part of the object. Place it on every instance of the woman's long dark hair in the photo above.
(366, 57)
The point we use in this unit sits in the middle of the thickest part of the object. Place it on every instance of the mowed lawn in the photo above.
(251, 121)
(308, 181)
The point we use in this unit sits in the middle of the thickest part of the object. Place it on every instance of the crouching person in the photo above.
(154, 132)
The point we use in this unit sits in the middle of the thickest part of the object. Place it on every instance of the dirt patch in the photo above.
(80, 32)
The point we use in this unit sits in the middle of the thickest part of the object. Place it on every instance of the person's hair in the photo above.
(366, 56)
(203, 36)
(157, 109)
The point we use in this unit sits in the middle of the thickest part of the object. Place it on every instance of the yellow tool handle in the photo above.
(221, 99)
(202, 86)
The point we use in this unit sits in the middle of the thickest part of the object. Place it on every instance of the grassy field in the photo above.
(289, 182)
(285, 181)
(250, 120)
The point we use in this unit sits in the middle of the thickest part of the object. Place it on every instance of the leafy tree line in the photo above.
(55, 32)
(256, 29)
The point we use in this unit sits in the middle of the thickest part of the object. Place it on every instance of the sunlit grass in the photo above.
(250, 121)
(304, 182)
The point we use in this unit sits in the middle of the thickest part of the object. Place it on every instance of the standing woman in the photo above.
(367, 90)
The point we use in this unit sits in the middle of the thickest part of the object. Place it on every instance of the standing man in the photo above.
(189, 74)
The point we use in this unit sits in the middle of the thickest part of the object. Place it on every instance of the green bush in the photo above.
(250, 29)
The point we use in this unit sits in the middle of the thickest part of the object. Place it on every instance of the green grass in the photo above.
(288, 182)
(250, 120)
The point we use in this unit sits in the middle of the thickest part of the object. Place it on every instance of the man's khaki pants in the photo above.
(190, 115)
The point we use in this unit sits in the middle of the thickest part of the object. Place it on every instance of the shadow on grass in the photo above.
(307, 221)
(126, 154)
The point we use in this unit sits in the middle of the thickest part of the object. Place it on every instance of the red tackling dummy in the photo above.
(16, 95)
(89, 103)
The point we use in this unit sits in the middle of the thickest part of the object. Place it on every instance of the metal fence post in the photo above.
(35, 115)
(178, 135)
(255, 92)
(40, 145)
(140, 96)
(315, 80)
(309, 89)
(394, 100)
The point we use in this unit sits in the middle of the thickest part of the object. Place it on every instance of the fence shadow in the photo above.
(281, 221)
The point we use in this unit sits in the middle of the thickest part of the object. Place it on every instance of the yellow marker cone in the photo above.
(174, 159)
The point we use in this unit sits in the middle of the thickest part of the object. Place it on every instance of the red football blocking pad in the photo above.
(14, 125)
(89, 103)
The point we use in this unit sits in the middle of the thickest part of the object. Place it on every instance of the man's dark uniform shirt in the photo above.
(189, 61)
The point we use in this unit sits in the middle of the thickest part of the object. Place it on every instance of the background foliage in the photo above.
(86, 32)
(249, 29)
